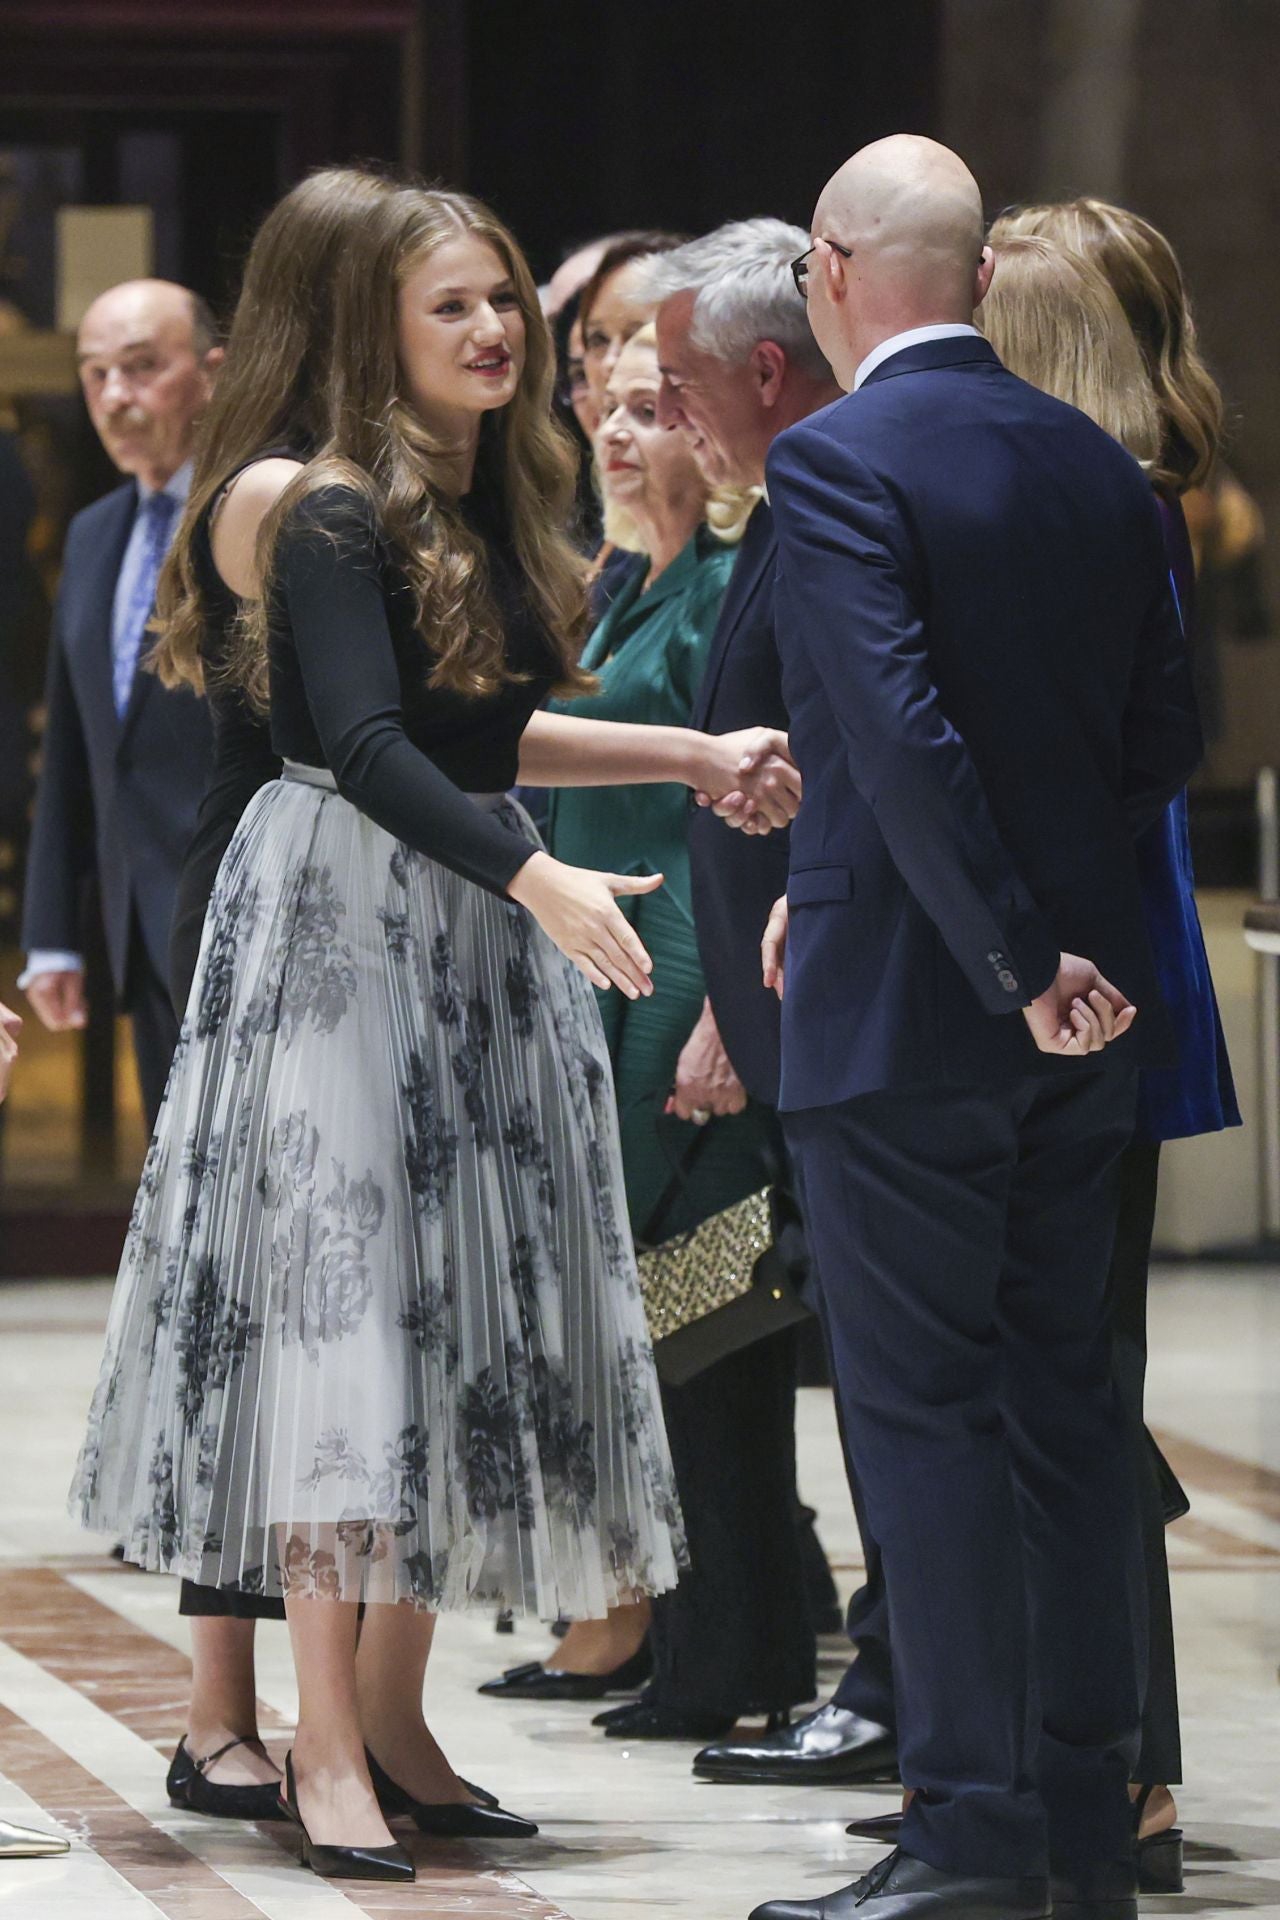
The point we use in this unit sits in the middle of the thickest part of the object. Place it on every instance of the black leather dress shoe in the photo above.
(533, 1681)
(832, 1745)
(448, 1819)
(880, 1826)
(1106, 1892)
(901, 1888)
(189, 1787)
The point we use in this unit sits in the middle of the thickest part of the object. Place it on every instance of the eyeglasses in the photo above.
(800, 269)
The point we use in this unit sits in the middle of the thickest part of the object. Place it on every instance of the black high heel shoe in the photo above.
(448, 1819)
(190, 1787)
(343, 1863)
(1158, 1858)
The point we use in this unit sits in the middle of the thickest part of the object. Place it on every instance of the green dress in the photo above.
(649, 653)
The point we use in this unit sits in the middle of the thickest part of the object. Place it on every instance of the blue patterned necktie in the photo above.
(158, 513)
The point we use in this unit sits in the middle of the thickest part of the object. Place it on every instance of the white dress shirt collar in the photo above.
(944, 330)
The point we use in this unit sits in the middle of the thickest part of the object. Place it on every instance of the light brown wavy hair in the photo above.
(1054, 320)
(314, 342)
(1144, 273)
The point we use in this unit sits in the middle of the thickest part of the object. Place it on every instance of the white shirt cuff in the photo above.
(49, 960)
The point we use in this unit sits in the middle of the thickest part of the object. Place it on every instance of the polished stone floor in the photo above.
(93, 1667)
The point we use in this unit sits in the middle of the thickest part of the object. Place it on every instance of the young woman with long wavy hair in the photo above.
(377, 1336)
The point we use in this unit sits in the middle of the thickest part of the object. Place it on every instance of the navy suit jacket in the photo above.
(736, 877)
(116, 797)
(989, 698)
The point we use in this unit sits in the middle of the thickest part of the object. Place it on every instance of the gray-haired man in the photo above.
(739, 364)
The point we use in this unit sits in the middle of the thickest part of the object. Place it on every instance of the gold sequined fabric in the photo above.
(691, 1276)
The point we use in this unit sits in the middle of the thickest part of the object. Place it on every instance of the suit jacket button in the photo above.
(1007, 980)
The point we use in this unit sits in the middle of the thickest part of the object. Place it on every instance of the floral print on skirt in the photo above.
(377, 1332)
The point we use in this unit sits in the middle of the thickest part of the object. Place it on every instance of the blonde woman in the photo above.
(734, 1638)
(1143, 272)
(1106, 329)
(377, 1335)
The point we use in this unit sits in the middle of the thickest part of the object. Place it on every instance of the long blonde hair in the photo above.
(1143, 272)
(314, 341)
(1054, 321)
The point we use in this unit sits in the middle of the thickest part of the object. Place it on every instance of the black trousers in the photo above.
(735, 1637)
(963, 1241)
(1160, 1758)
(155, 1025)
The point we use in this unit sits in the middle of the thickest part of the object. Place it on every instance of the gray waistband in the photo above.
(321, 777)
(308, 776)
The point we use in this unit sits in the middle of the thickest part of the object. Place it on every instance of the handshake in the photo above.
(750, 780)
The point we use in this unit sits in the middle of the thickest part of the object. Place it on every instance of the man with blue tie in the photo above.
(125, 761)
(125, 764)
(990, 699)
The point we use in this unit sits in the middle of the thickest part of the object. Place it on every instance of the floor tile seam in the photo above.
(132, 1773)
(1248, 1482)
(1231, 1515)
(84, 1787)
(76, 1668)
(1199, 1531)
(126, 1633)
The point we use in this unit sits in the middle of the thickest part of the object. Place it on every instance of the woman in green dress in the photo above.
(735, 1637)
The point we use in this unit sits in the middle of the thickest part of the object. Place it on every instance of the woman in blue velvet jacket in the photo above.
(1088, 303)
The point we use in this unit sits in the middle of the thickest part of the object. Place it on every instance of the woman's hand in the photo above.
(578, 910)
(750, 779)
(773, 947)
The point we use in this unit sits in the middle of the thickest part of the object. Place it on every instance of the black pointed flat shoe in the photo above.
(645, 1720)
(189, 1787)
(533, 1681)
(449, 1819)
(342, 1863)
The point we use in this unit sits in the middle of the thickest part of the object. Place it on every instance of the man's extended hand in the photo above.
(752, 783)
(705, 1080)
(10, 1028)
(1080, 1013)
(773, 947)
(58, 999)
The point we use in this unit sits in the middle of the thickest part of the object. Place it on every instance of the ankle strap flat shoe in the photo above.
(190, 1787)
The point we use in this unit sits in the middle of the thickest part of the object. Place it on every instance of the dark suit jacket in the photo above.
(989, 698)
(116, 797)
(736, 876)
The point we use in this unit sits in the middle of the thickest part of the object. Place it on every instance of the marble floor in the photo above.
(93, 1670)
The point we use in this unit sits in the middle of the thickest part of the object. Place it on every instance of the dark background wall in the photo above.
(584, 117)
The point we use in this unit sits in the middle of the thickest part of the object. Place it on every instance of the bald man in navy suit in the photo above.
(989, 699)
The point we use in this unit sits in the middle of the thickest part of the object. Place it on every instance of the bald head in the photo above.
(147, 357)
(910, 214)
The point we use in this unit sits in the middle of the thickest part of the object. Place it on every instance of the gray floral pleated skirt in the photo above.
(377, 1332)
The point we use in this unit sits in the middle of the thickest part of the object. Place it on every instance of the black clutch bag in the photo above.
(733, 1279)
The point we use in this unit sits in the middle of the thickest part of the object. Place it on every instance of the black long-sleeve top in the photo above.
(349, 687)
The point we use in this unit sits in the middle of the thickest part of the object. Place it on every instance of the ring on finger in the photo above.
(700, 1116)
